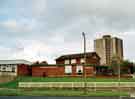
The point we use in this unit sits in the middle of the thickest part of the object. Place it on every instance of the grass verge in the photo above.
(14, 83)
(71, 79)
(54, 92)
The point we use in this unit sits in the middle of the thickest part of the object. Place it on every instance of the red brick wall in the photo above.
(47, 71)
(88, 61)
(57, 71)
(60, 61)
(74, 71)
(23, 70)
(92, 61)
(78, 61)
(89, 71)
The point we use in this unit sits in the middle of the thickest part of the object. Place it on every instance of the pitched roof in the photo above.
(79, 55)
(15, 62)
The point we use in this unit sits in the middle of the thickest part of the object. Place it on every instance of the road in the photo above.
(25, 97)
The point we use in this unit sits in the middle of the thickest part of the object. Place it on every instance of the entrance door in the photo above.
(44, 74)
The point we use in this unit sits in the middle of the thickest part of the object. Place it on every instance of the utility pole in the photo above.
(84, 72)
(119, 70)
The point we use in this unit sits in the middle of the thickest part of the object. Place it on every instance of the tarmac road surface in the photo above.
(35, 97)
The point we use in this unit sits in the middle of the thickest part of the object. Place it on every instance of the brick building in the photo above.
(14, 67)
(68, 65)
(53, 70)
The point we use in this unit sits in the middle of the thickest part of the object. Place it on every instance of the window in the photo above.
(13, 69)
(68, 69)
(79, 69)
(7, 68)
(3, 68)
(66, 61)
(82, 60)
(73, 61)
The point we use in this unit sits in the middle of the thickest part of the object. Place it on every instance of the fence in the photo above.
(76, 84)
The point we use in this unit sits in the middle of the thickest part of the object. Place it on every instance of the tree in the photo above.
(127, 67)
(126, 63)
(37, 62)
(115, 61)
(44, 62)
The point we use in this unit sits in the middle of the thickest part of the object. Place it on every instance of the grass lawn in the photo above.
(11, 84)
(11, 88)
(14, 84)
(54, 92)
(71, 79)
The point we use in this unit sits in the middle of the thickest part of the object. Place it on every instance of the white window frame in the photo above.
(82, 60)
(8, 68)
(14, 69)
(73, 61)
(67, 61)
(79, 67)
(68, 69)
(3, 66)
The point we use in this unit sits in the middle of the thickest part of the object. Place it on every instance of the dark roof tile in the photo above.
(80, 55)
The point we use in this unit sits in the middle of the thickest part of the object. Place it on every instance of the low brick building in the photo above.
(44, 70)
(68, 65)
(14, 67)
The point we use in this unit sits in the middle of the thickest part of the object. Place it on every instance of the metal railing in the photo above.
(76, 84)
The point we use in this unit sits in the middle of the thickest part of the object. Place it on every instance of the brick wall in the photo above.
(60, 61)
(58, 71)
(47, 71)
(92, 61)
(88, 61)
(23, 70)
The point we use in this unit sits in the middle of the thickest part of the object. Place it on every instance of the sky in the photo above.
(46, 29)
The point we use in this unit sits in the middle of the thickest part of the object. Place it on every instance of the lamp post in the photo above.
(119, 79)
(84, 72)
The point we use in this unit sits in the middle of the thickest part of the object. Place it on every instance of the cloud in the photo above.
(31, 8)
(114, 15)
(22, 25)
(104, 7)
(31, 50)
(12, 24)
(45, 29)
(5, 52)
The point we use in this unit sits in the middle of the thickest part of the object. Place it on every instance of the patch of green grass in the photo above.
(72, 79)
(11, 84)
(54, 92)
(14, 84)
(9, 92)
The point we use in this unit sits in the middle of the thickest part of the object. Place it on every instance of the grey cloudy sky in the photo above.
(45, 29)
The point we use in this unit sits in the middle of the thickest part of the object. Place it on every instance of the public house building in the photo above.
(74, 63)
(70, 65)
